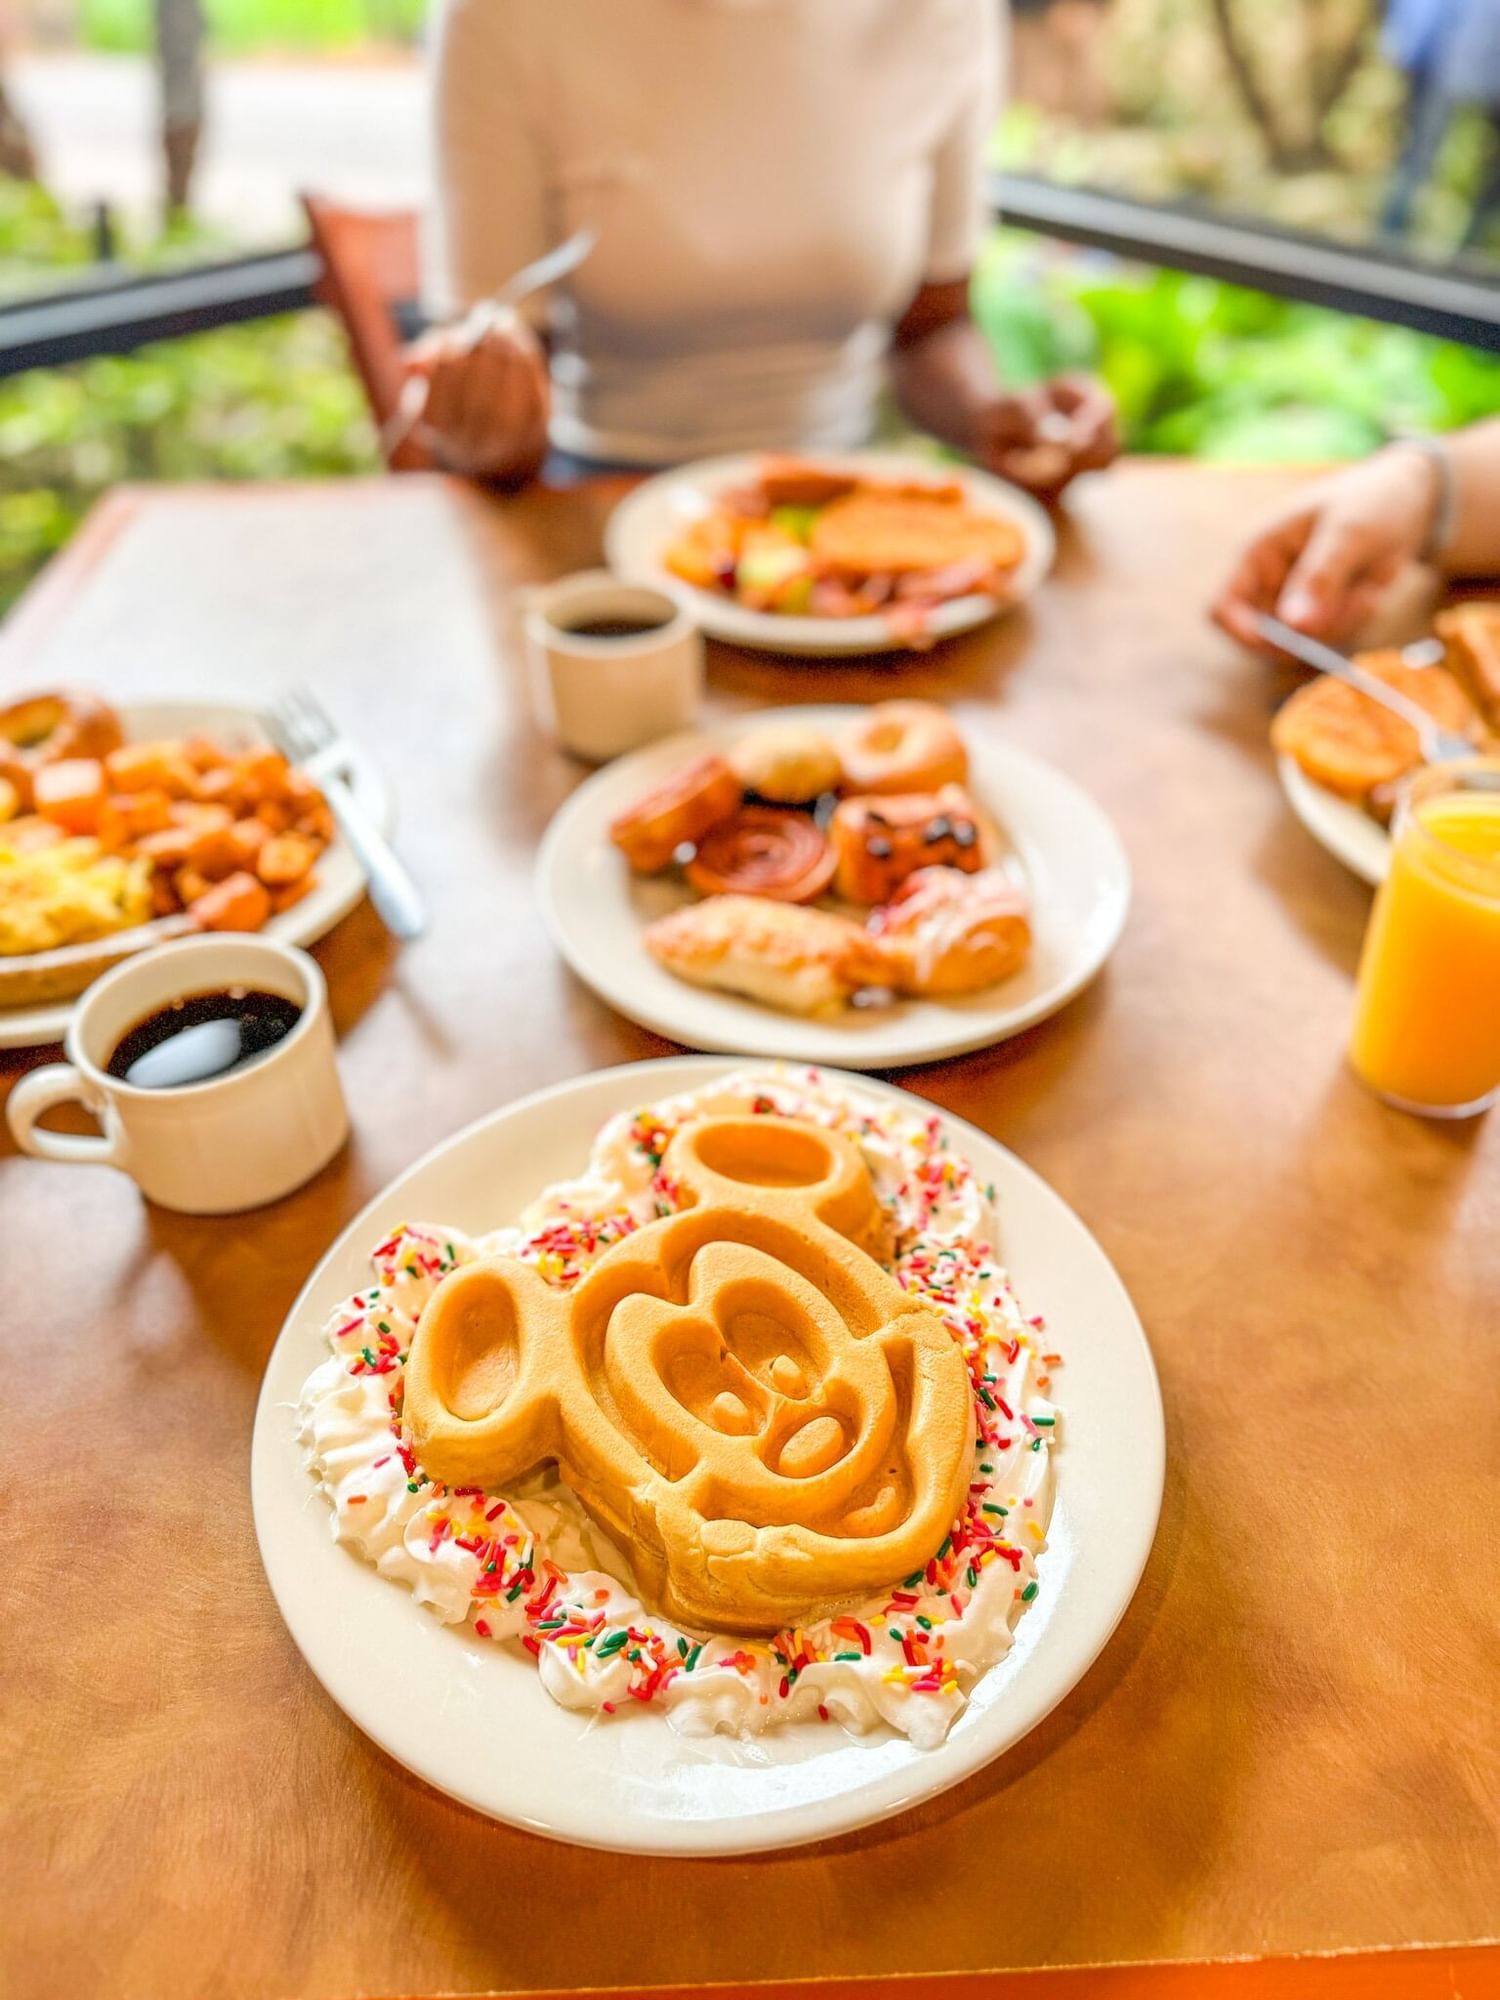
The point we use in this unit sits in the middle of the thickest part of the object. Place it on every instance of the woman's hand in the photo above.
(487, 399)
(1043, 437)
(1323, 563)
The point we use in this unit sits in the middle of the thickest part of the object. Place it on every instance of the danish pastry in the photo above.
(678, 812)
(902, 746)
(763, 851)
(880, 841)
(786, 764)
(945, 932)
(1471, 633)
(54, 728)
(782, 954)
(1350, 744)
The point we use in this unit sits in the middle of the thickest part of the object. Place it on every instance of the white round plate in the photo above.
(341, 880)
(473, 1719)
(596, 909)
(644, 525)
(1348, 834)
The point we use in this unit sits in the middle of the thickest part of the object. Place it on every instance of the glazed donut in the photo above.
(945, 932)
(763, 852)
(49, 728)
(677, 812)
(788, 764)
(879, 842)
(902, 746)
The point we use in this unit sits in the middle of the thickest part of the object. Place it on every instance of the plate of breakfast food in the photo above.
(1342, 758)
(692, 1459)
(861, 886)
(123, 828)
(863, 553)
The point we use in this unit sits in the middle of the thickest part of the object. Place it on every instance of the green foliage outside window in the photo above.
(1198, 367)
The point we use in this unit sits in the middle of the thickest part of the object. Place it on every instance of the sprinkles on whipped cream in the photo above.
(478, 1558)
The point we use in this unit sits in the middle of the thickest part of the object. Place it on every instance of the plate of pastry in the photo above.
(866, 552)
(861, 886)
(123, 828)
(1342, 758)
(693, 1459)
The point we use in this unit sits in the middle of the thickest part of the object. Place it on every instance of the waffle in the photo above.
(738, 1394)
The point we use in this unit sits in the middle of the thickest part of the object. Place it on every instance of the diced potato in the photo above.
(221, 786)
(239, 903)
(141, 813)
(198, 818)
(316, 821)
(262, 773)
(204, 754)
(189, 885)
(151, 767)
(71, 793)
(167, 849)
(214, 853)
(285, 859)
(274, 813)
(248, 837)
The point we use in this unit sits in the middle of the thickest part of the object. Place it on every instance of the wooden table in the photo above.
(1290, 1744)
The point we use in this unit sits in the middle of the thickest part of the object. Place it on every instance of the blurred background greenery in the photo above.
(1283, 109)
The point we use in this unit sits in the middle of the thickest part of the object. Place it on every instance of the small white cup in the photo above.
(601, 697)
(233, 1142)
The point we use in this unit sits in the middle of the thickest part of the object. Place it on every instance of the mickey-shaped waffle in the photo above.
(748, 1404)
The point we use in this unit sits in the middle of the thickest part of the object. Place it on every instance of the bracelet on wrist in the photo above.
(1444, 516)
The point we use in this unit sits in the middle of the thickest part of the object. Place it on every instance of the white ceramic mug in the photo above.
(235, 1141)
(600, 697)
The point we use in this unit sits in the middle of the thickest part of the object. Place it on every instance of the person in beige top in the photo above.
(789, 195)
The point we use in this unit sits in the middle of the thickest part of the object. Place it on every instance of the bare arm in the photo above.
(1324, 562)
(945, 381)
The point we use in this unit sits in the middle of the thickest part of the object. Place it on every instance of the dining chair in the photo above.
(370, 281)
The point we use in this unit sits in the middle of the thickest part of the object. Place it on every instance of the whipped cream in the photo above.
(529, 1567)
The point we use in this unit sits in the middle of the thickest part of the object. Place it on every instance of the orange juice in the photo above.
(1427, 1020)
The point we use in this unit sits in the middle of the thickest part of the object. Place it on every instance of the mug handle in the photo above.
(58, 1083)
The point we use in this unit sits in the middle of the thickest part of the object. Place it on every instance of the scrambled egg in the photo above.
(70, 892)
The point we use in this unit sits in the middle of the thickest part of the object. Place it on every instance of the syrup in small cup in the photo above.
(248, 1130)
(614, 665)
(1427, 1020)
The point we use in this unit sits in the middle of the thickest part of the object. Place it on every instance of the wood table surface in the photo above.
(1290, 1743)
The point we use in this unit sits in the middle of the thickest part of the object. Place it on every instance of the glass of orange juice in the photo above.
(1427, 1020)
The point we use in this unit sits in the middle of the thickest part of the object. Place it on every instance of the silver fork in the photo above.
(483, 318)
(302, 730)
(1438, 745)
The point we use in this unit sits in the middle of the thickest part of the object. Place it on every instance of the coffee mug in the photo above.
(603, 694)
(234, 1141)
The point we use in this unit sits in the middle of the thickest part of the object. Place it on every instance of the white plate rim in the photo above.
(628, 530)
(1338, 826)
(1133, 1515)
(817, 1041)
(303, 924)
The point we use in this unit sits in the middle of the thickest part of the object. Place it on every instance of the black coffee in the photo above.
(201, 1036)
(617, 628)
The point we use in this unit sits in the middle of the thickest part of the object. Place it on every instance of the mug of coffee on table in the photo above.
(209, 1065)
(613, 664)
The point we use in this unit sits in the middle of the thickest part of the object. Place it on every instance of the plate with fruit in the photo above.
(867, 552)
(865, 887)
(124, 828)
